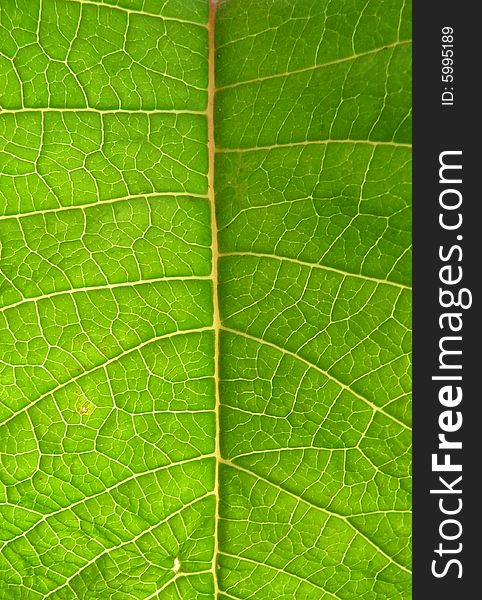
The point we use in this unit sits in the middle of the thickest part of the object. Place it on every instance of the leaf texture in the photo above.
(198, 406)
(313, 204)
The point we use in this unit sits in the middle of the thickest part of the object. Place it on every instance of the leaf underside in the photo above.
(146, 451)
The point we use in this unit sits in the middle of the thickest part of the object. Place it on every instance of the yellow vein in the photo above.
(314, 143)
(107, 490)
(214, 276)
(133, 540)
(328, 375)
(318, 266)
(100, 203)
(104, 364)
(314, 67)
(106, 286)
(174, 580)
(91, 109)
(137, 12)
(279, 570)
(315, 506)
(228, 595)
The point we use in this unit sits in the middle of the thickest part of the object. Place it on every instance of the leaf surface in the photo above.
(199, 404)
(313, 203)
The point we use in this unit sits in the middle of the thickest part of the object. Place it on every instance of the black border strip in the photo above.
(440, 128)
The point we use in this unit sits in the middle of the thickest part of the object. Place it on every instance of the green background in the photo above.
(113, 389)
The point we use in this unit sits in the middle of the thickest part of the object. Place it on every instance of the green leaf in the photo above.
(200, 404)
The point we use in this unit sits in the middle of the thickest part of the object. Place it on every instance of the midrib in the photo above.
(214, 275)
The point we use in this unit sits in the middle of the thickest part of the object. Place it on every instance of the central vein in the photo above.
(214, 271)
